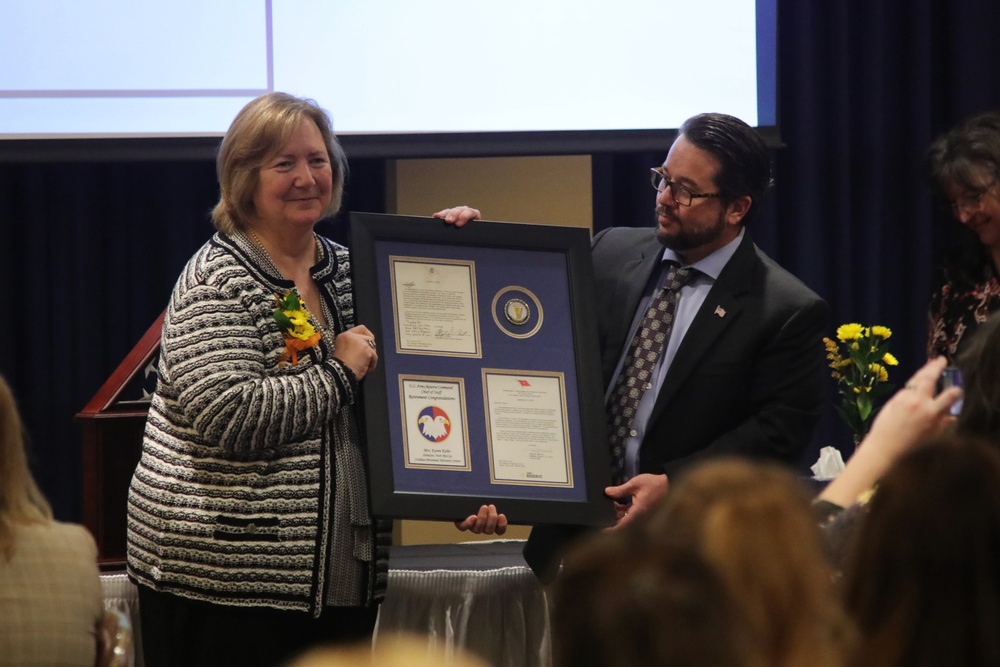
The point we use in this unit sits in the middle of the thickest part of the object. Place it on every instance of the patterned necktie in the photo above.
(637, 370)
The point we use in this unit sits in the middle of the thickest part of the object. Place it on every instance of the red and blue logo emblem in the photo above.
(434, 423)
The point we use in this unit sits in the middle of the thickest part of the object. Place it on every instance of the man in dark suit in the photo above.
(741, 370)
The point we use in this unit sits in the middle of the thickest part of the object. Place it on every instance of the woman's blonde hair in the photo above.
(753, 522)
(391, 650)
(21, 502)
(259, 131)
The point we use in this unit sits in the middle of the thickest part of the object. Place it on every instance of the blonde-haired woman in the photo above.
(50, 590)
(754, 524)
(249, 530)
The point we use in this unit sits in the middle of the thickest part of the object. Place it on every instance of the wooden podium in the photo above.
(113, 423)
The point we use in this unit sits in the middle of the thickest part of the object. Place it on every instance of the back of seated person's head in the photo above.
(21, 502)
(623, 599)
(754, 524)
(391, 650)
(922, 578)
(980, 364)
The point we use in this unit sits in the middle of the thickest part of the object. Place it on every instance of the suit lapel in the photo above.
(721, 309)
(632, 279)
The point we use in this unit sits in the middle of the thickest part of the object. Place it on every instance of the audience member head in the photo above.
(964, 163)
(402, 650)
(754, 524)
(744, 160)
(980, 365)
(963, 167)
(259, 130)
(923, 576)
(21, 502)
(624, 599)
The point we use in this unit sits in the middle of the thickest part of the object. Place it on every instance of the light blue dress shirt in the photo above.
(706, 272)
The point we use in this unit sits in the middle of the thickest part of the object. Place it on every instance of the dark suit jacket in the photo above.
(747, 378)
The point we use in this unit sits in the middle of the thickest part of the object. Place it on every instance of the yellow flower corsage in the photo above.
(293, 321)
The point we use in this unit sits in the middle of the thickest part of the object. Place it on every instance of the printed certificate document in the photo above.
(435, 306)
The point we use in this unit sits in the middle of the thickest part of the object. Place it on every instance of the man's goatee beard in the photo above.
(684, 241)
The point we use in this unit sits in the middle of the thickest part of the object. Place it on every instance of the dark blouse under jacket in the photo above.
(957, 310)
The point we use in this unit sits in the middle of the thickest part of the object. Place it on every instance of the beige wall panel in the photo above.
(553, 190)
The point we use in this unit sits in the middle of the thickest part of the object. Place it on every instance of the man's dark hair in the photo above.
(744, 160)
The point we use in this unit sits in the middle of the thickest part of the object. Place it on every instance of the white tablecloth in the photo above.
(477, 595)
(120, 593)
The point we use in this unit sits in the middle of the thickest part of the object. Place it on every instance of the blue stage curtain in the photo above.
(864, 87)
(90, 251)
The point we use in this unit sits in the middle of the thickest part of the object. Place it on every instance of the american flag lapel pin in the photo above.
(720, 311)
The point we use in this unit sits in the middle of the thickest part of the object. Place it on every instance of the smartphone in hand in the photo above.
(951, 376)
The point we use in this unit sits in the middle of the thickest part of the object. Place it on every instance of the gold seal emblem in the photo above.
(516, 311)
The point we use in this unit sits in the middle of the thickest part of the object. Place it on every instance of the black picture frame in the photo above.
(555, 355)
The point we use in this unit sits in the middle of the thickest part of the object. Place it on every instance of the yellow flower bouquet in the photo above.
(858, 359)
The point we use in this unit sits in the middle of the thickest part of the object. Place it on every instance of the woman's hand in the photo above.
(914, 413)
(458, 215)
(487, 522)
(356, 349)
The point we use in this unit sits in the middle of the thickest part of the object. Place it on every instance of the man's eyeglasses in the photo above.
(680, 194)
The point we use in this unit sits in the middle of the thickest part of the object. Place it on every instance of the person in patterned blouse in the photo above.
(964, 169)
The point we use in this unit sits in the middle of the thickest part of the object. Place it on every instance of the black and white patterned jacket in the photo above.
(231, 501)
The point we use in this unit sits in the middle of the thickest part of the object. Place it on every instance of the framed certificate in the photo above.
(488, 388)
